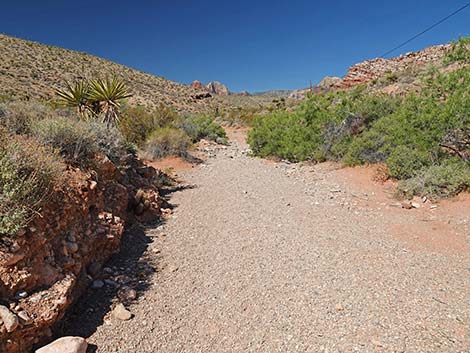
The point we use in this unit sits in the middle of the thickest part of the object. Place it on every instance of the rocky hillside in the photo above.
(386, 74)
(33, 70)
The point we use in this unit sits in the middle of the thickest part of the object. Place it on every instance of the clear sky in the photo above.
(248, 45)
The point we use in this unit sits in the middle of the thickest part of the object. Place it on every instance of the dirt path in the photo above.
(272, 257)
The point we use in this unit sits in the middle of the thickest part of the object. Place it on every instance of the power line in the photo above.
(426, 30)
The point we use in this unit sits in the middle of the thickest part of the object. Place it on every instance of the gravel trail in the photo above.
(273, 257)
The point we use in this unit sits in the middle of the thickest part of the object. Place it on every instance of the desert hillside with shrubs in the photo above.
(414, 121)
(30, 70)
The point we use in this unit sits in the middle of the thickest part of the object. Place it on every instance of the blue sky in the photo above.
(248, 45)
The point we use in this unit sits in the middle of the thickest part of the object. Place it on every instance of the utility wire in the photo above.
(426, 30)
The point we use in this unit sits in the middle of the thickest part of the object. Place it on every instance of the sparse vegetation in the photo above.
(165, 142)
(28, 174)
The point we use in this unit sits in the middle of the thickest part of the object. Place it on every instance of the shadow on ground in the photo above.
(131, 268)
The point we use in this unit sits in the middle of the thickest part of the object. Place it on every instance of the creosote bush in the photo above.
(28, 174)
(165, 142)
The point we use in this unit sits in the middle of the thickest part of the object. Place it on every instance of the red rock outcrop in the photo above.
(45, 267)
(372, 69)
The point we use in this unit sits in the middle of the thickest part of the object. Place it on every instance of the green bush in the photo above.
(459, 52)
(416, 136)
(28, 174)
(74, 139)
(438, 181)
(405, 162)
(137, 122)
(282, 135)
(165, 142)
(202, 127)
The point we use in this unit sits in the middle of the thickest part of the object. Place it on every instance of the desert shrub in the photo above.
(459, 51)
(241, 116)
(282, 135)
(405, 162)
(74, 139)
(17, 116)
(438, 181)
(202, 127)
(28, 174)
(138, 122)
(165, 142)
(111, 143)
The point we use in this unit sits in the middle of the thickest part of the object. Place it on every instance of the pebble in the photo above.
(97, 284)
(24, 318)
(121, 313)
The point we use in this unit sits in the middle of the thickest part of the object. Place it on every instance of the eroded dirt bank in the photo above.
(273, 257)
(45, 267)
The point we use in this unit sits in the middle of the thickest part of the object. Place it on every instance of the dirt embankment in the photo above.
(45, 267)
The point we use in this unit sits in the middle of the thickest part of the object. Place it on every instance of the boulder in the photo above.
(217, 88)
(65, 345)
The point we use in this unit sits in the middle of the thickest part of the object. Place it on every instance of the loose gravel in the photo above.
(263, 257)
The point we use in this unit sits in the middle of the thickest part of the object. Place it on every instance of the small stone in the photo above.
(93, 185)
(65, 345)
(432, 207)
(121, 313)
(407, 205)
(339, 307)
(22, 294)
(173, 268)
(415, 205)
(9, 319)
(24, 318)
(97, 284)
(127, 294)
(71, 246)
(110, 283)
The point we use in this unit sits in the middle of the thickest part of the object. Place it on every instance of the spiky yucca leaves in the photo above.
(105, 97)
(76, 96)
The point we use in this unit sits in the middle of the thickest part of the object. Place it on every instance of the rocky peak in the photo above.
(218, 88)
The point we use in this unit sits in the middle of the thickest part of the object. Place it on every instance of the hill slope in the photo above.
(33, 70)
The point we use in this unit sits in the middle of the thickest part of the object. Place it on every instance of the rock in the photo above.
(406, 205)
(121, 313)
(127, 294)
(93, 185)
(72, 247)
(94, 269)
(415, 205)
(339, 307)
(9, 319)
(97, 284)
(65, 345)
(21, 294)
(198, 85)
(24, 318)
(217, 88)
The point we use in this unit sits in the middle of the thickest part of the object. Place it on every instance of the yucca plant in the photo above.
(105, 98)
(76, 96)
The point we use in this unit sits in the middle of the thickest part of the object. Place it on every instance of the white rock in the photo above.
(121, 313)
(65, 345)
(9, 319)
